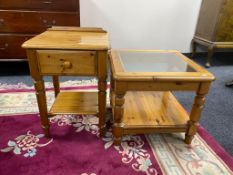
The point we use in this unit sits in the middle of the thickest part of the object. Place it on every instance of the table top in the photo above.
(70, 38)
(156, 64)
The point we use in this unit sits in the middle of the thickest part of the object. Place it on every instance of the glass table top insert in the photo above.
(153, 62)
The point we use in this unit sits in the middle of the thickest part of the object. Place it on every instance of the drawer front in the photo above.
(69, 5)
(10, 46)
(53, 62)
(35, 21)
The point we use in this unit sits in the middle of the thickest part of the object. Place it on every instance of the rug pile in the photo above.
(76, 149)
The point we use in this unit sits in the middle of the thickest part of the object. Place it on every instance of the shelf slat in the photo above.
(75, 103)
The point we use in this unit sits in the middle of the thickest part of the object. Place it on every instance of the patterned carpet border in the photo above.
(217, 148)
(67, 85)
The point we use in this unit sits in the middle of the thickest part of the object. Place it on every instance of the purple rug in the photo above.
(76, 149)
(73, 149)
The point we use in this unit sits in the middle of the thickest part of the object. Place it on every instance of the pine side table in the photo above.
(63, 51)
(141, 92)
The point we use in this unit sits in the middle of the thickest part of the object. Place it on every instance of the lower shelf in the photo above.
(150, 110)
(75, 103)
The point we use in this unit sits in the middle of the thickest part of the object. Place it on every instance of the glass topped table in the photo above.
(141, 100)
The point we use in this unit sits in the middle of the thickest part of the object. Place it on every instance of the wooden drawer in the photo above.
(53, 62)
(35, 21)
(10, 46)
(68, 5)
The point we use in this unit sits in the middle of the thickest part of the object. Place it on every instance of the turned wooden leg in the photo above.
(118, 114)
(194, 48)
(102, 106)
(41, 100)
(40, 90)
(56, 85)
(102, 87)
(210, 55)
(196, 112)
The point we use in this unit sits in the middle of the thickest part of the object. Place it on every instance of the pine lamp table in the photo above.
(65, 51)
(141, 98)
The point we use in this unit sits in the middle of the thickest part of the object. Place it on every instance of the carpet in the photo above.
(75, 146)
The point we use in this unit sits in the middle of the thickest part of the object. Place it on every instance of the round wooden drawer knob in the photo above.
(66, 65)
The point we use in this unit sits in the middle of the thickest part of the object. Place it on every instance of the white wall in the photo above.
(144, 24)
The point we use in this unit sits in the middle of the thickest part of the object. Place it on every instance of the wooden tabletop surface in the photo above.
(58, 38)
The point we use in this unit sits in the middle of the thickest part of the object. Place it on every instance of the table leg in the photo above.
(194, 48)
(210, 55)
(102, 106)
(40, 90)
(196, 112)
(102, 87)
(41, 100)
(56, 85)
(118, 114)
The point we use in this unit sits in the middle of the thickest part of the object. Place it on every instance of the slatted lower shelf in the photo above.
(149, 110)
(75, 103)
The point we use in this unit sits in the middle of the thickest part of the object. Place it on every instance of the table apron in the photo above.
(161, 86)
